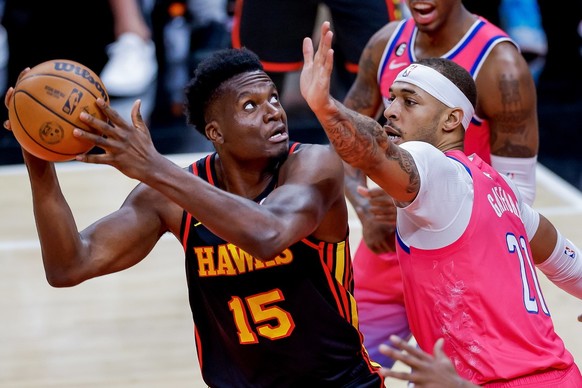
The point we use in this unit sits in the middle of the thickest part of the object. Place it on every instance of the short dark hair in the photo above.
(214, 70)
(456, 74)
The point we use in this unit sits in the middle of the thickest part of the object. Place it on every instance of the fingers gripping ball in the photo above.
(46, 105)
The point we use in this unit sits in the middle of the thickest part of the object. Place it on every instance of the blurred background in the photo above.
(154, 63)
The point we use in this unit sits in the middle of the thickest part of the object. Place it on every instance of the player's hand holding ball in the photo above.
(45, 104)
(65, 116)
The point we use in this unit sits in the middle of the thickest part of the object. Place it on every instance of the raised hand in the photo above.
(317, 67)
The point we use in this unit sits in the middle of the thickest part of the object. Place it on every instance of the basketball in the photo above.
(46, 105)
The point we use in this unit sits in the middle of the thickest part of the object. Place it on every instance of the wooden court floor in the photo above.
(134, 328)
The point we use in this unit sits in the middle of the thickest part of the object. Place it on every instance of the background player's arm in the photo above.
(364, 97)
(507, 99)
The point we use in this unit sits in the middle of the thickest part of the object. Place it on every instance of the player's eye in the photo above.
(249, 105)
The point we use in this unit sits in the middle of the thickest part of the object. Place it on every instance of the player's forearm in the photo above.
(255, 228)
(563, 267)
(357, 139)
(57, 231)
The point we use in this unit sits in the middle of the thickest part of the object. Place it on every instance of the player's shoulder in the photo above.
(375, 47)
(303, 151)
(504, 56)
(504, 62)
(383, 35)
(307, 158)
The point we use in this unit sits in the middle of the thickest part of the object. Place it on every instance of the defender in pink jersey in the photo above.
(467, 244)
(503, 131)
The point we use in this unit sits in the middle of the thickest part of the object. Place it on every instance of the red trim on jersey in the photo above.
(186, 231)
(326, 256)
(332, 253)
(332, 288)
(235, 33)
(391, 9)
(282, 67)
(188, 215)
(351, 67)
(198, 347)
(208, 165)
(293, 147)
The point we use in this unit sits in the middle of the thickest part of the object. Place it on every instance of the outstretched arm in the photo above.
(359, 140)
(507, 100)
(364, 97)
(427, 371)
(557, 257)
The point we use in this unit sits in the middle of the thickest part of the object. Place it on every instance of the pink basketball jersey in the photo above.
(470, 52)
(481, 293)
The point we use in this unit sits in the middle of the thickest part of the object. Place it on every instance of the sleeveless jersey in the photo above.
(470, 52)
(289, 321)
(493, 317)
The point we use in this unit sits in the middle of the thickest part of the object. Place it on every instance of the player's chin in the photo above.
(279, 149)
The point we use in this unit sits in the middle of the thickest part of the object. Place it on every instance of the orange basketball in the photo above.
(46, 105)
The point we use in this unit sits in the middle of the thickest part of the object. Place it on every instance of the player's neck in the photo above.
(438, 42)
(246, 181)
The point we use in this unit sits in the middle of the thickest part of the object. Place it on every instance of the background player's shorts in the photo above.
(274, 29)
(379, 294)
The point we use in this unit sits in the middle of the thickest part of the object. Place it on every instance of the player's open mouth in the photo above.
(393, 135)
(423, 9)
(279, 135)
(424, 13)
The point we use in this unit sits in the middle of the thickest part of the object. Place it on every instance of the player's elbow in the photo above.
(268, 244)
(61, 279)
(269, 248)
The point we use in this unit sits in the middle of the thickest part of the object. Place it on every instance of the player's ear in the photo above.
(213, 132)
(454, 119)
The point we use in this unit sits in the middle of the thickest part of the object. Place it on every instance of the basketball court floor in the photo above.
(134, 328)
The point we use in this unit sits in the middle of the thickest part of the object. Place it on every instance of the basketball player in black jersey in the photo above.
(263, 222)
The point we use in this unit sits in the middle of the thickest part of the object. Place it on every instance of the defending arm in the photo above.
(564, 266)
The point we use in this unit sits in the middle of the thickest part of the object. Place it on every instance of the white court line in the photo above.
(568, 194)
(24, 245)
(74, 166)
